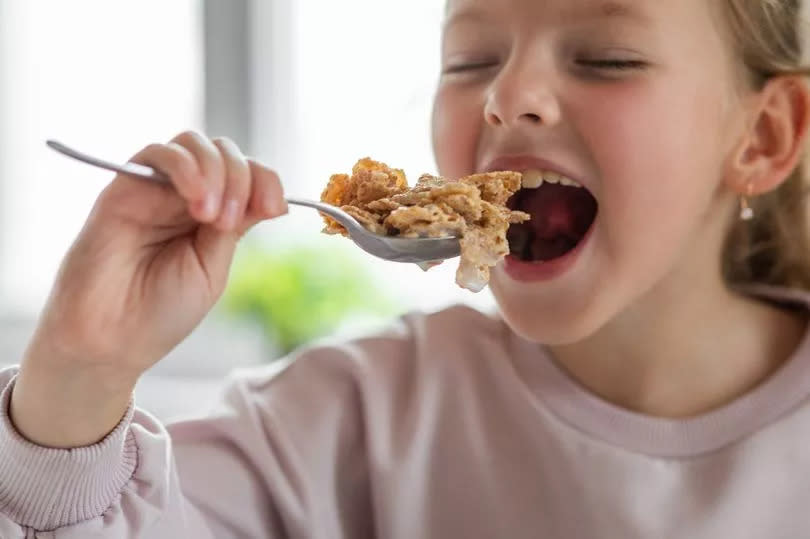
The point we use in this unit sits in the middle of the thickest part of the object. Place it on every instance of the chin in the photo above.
(547, 330)
(548, 318)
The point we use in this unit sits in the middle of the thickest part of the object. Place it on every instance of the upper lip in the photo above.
(519, 163)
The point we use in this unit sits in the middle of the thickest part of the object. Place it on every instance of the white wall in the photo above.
(105, 75)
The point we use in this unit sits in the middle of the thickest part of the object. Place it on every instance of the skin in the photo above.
(148, 265)
(666, 142)
(642, 316)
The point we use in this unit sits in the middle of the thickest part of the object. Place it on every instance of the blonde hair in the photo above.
(774, 247)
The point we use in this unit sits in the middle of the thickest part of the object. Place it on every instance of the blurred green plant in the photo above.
(300, 293)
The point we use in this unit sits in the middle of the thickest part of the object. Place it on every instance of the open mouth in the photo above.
(562, 211)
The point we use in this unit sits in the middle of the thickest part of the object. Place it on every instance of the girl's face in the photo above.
(636, 101)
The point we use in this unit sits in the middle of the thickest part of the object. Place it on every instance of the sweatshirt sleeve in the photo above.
(280, 456)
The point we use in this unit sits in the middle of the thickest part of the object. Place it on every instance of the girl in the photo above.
(649, 378)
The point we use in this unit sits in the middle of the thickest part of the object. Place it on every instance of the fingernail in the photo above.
(210, 206)
(231, 215)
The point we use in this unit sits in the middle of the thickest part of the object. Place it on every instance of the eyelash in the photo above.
(615, 65)
(605, 65)
(473, 66)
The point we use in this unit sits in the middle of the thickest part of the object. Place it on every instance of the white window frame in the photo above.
(247, 44)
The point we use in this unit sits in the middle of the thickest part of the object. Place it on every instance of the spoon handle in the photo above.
(148, 173)
(133, 169)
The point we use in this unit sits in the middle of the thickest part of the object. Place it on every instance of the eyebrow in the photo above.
(470, 14)
(619, 10)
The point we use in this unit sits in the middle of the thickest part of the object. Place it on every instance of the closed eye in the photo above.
(468, 67)
(613, 64)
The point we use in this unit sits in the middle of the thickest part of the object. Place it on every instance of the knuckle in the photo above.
(170, 158)
(152, 148)
(189, 137)
(224, 141)
(180, 162)
(270, 174)
(231, 153)
(261, 171)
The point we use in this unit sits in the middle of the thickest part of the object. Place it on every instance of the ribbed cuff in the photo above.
(46, 489)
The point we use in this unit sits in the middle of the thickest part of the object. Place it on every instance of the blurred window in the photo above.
(103, 75)
(360, 83)
(308, 86)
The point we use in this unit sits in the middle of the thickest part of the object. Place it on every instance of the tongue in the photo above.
(557, 210)
(561, 216)
(550, 249)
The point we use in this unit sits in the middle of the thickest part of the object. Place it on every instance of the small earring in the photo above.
(746, 211)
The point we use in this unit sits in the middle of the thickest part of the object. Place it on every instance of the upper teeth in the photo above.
(533, 178)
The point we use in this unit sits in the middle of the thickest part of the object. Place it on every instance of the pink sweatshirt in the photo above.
(448, 426)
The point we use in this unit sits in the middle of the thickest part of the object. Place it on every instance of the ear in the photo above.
(774, 140)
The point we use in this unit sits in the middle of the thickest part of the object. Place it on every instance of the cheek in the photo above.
(656, 148)
(457, 117)
(658, 154)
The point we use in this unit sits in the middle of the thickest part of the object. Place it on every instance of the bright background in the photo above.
(308, 86)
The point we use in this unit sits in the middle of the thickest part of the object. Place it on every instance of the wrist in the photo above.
(54, 404)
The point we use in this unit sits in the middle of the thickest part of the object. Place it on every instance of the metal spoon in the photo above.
(414, 250)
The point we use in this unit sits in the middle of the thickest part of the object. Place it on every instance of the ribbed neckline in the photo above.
(783, 391)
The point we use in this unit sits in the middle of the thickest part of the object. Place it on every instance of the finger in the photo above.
(211, 166)
(182, 170)
(267, 197)
(237, 184)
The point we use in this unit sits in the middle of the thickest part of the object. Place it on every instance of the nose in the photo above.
(522, 94)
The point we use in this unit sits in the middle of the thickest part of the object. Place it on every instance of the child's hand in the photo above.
(149, 264)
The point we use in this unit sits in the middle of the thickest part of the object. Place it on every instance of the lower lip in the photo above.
(533, 272)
